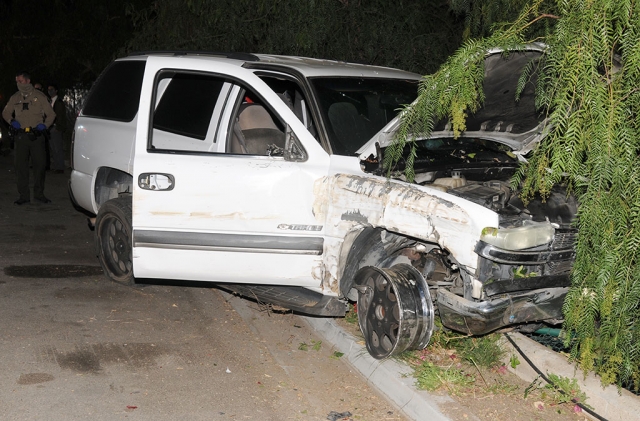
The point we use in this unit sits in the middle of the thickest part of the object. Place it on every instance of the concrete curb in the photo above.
(393, 379)
(606, 402)
(389, 377)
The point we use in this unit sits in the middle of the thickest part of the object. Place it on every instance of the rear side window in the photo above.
(116, 93)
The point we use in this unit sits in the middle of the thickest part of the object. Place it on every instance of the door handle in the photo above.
(156, 181)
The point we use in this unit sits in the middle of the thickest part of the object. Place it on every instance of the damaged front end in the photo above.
(480, 268)
(513, 286)
(457, 234)
(522, 273)
(523, 270)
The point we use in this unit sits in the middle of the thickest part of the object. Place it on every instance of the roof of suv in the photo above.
(309, 67)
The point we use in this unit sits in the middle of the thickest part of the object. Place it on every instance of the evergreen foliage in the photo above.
(481, 15)
(589, 79)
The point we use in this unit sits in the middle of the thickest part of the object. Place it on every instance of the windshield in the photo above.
(355, 109)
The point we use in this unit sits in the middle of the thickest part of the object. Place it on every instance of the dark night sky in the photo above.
(61, 41)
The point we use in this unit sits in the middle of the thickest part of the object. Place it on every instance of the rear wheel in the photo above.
(395, 311)
(113, 240)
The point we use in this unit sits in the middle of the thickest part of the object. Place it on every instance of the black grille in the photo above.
(564, 239)
(559, 267)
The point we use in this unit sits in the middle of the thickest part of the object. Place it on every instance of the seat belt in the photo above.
(238, 133)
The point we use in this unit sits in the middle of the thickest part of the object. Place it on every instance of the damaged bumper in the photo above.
(477, 318)
(516, 287)
(503, 271)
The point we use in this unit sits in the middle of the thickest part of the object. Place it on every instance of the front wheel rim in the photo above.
(395, 311)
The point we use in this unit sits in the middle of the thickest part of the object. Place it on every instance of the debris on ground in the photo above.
(335, 416)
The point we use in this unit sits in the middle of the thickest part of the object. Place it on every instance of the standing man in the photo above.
(29, 114)
(57, 130)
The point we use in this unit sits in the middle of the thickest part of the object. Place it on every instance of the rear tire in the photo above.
(114, 240)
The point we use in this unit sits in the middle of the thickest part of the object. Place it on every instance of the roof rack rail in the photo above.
(234, 56)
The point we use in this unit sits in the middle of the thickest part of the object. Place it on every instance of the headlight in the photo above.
(530, 234)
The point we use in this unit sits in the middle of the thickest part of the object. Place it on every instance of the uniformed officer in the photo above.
(29, 114)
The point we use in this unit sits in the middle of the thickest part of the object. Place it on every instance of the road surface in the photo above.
(76, 346)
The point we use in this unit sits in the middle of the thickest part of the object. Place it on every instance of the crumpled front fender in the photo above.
(347, 202)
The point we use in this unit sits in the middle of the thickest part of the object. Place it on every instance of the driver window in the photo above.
(291, 94)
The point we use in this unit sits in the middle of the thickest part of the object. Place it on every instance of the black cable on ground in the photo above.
(546, 379)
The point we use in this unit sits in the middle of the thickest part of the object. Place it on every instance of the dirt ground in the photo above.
(496, 394)
(508, 403)
(315, 367)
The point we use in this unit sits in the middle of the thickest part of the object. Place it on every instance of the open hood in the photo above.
(502, 119)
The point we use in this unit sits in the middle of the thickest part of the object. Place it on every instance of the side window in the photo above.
(116, 93)
(291, 94)
(255, 129)
(187, 110)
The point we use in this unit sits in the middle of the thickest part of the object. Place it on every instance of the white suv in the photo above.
(263, 173)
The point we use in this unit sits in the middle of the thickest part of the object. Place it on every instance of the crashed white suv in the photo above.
(263, 173)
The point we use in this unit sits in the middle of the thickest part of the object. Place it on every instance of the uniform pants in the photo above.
(57, 150)
(29, 145)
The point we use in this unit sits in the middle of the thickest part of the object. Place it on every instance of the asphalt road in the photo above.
(75, 346)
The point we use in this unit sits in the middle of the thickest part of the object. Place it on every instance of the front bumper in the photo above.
(504, 271)
(516, 287)
(480, 317)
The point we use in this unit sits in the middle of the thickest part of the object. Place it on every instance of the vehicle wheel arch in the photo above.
(110, 183)
(372, 246)
(386, 273)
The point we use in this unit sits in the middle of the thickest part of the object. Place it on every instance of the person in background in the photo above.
(57, 130)
(29, 114)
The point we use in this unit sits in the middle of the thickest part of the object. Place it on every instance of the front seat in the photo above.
(254, 132)
(348, 125)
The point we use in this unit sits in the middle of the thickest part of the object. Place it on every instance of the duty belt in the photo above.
(29, 130)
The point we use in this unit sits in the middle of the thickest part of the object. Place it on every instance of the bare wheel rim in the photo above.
(395, 311)
(382, 320)
(116, 244)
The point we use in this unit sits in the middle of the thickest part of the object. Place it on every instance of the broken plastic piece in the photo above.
(335, 416)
